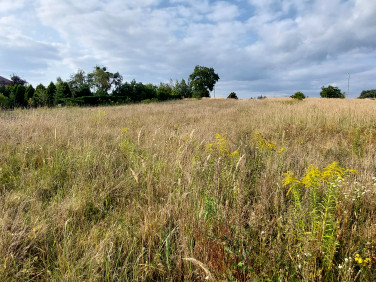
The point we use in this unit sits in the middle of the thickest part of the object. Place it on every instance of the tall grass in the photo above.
(190, 190)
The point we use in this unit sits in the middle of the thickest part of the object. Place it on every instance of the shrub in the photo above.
(232, 96)
(331, 92)
(3, 101)
(368, 94)
(298, 95)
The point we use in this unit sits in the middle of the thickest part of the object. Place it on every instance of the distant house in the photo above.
(5, 82)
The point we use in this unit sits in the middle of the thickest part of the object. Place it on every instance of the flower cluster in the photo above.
(220, 146)
(264, 145)
(361, 261)
(314, 177)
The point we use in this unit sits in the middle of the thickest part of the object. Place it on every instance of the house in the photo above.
(5, 82)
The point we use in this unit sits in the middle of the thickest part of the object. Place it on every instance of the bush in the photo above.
(232, 96)
(298, 95)
(3, 101)
(20, 95)
(331, 92)
(368, 94)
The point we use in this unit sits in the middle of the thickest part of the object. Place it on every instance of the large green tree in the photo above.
(51, 92)
(182, 89)
(368, 94)
(331, 92)
(63, 90)
(202, 80)
(40, 96)
(101, 80)
(79, 84)
(29, 94)
(164, 91)
(19, 95)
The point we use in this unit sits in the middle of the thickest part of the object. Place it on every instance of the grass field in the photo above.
(244, 190)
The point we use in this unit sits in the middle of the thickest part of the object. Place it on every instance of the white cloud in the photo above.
(261, 46)
(7, 6)
(223, 11)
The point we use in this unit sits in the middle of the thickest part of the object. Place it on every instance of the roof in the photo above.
(5, 81)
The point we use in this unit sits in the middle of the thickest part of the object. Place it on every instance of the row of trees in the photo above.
(335, 92)
(104, 87)
(326, 92)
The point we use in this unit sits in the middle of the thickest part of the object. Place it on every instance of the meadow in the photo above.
(193, 190)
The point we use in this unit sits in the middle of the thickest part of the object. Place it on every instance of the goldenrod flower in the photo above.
(359, 260)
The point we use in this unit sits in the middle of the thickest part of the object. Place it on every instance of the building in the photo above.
(5, 82)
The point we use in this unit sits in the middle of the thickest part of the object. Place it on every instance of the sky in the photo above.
(258, 47)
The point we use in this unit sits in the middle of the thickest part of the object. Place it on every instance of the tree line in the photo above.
(101, 87)
(335, 92)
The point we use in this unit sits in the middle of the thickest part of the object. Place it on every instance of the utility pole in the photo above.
(348, 84)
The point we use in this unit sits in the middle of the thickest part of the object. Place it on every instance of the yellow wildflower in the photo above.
(209, 148)
(265, 145)
(289, 179)
(359, 260)
(235, 154)
(312, 177)
(222, 144)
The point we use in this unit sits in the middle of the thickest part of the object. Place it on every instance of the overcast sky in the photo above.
(258, 47)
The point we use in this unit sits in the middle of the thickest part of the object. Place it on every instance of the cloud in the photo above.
(11, 5)
(223, 11)
(269, 46)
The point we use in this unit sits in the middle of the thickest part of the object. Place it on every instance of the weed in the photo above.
(189, 190)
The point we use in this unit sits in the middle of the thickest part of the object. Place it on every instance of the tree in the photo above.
(79, 84)
(164, 91)
(3, 101)
(8, 90)
(150, 91)
(19, 95)
(40, 96)
(2, 88)
(63, 90)
(77, 80)
(232, 96)
(126, 91)
(331, 92)
(368, 94)
(298, 95)
(101, 81)
(84, 90)
(29, 94)
(51, 92)
(17, 80)
(202, 80)
(182, 89)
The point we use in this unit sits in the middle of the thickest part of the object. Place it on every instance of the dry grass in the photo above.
(127, 193)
